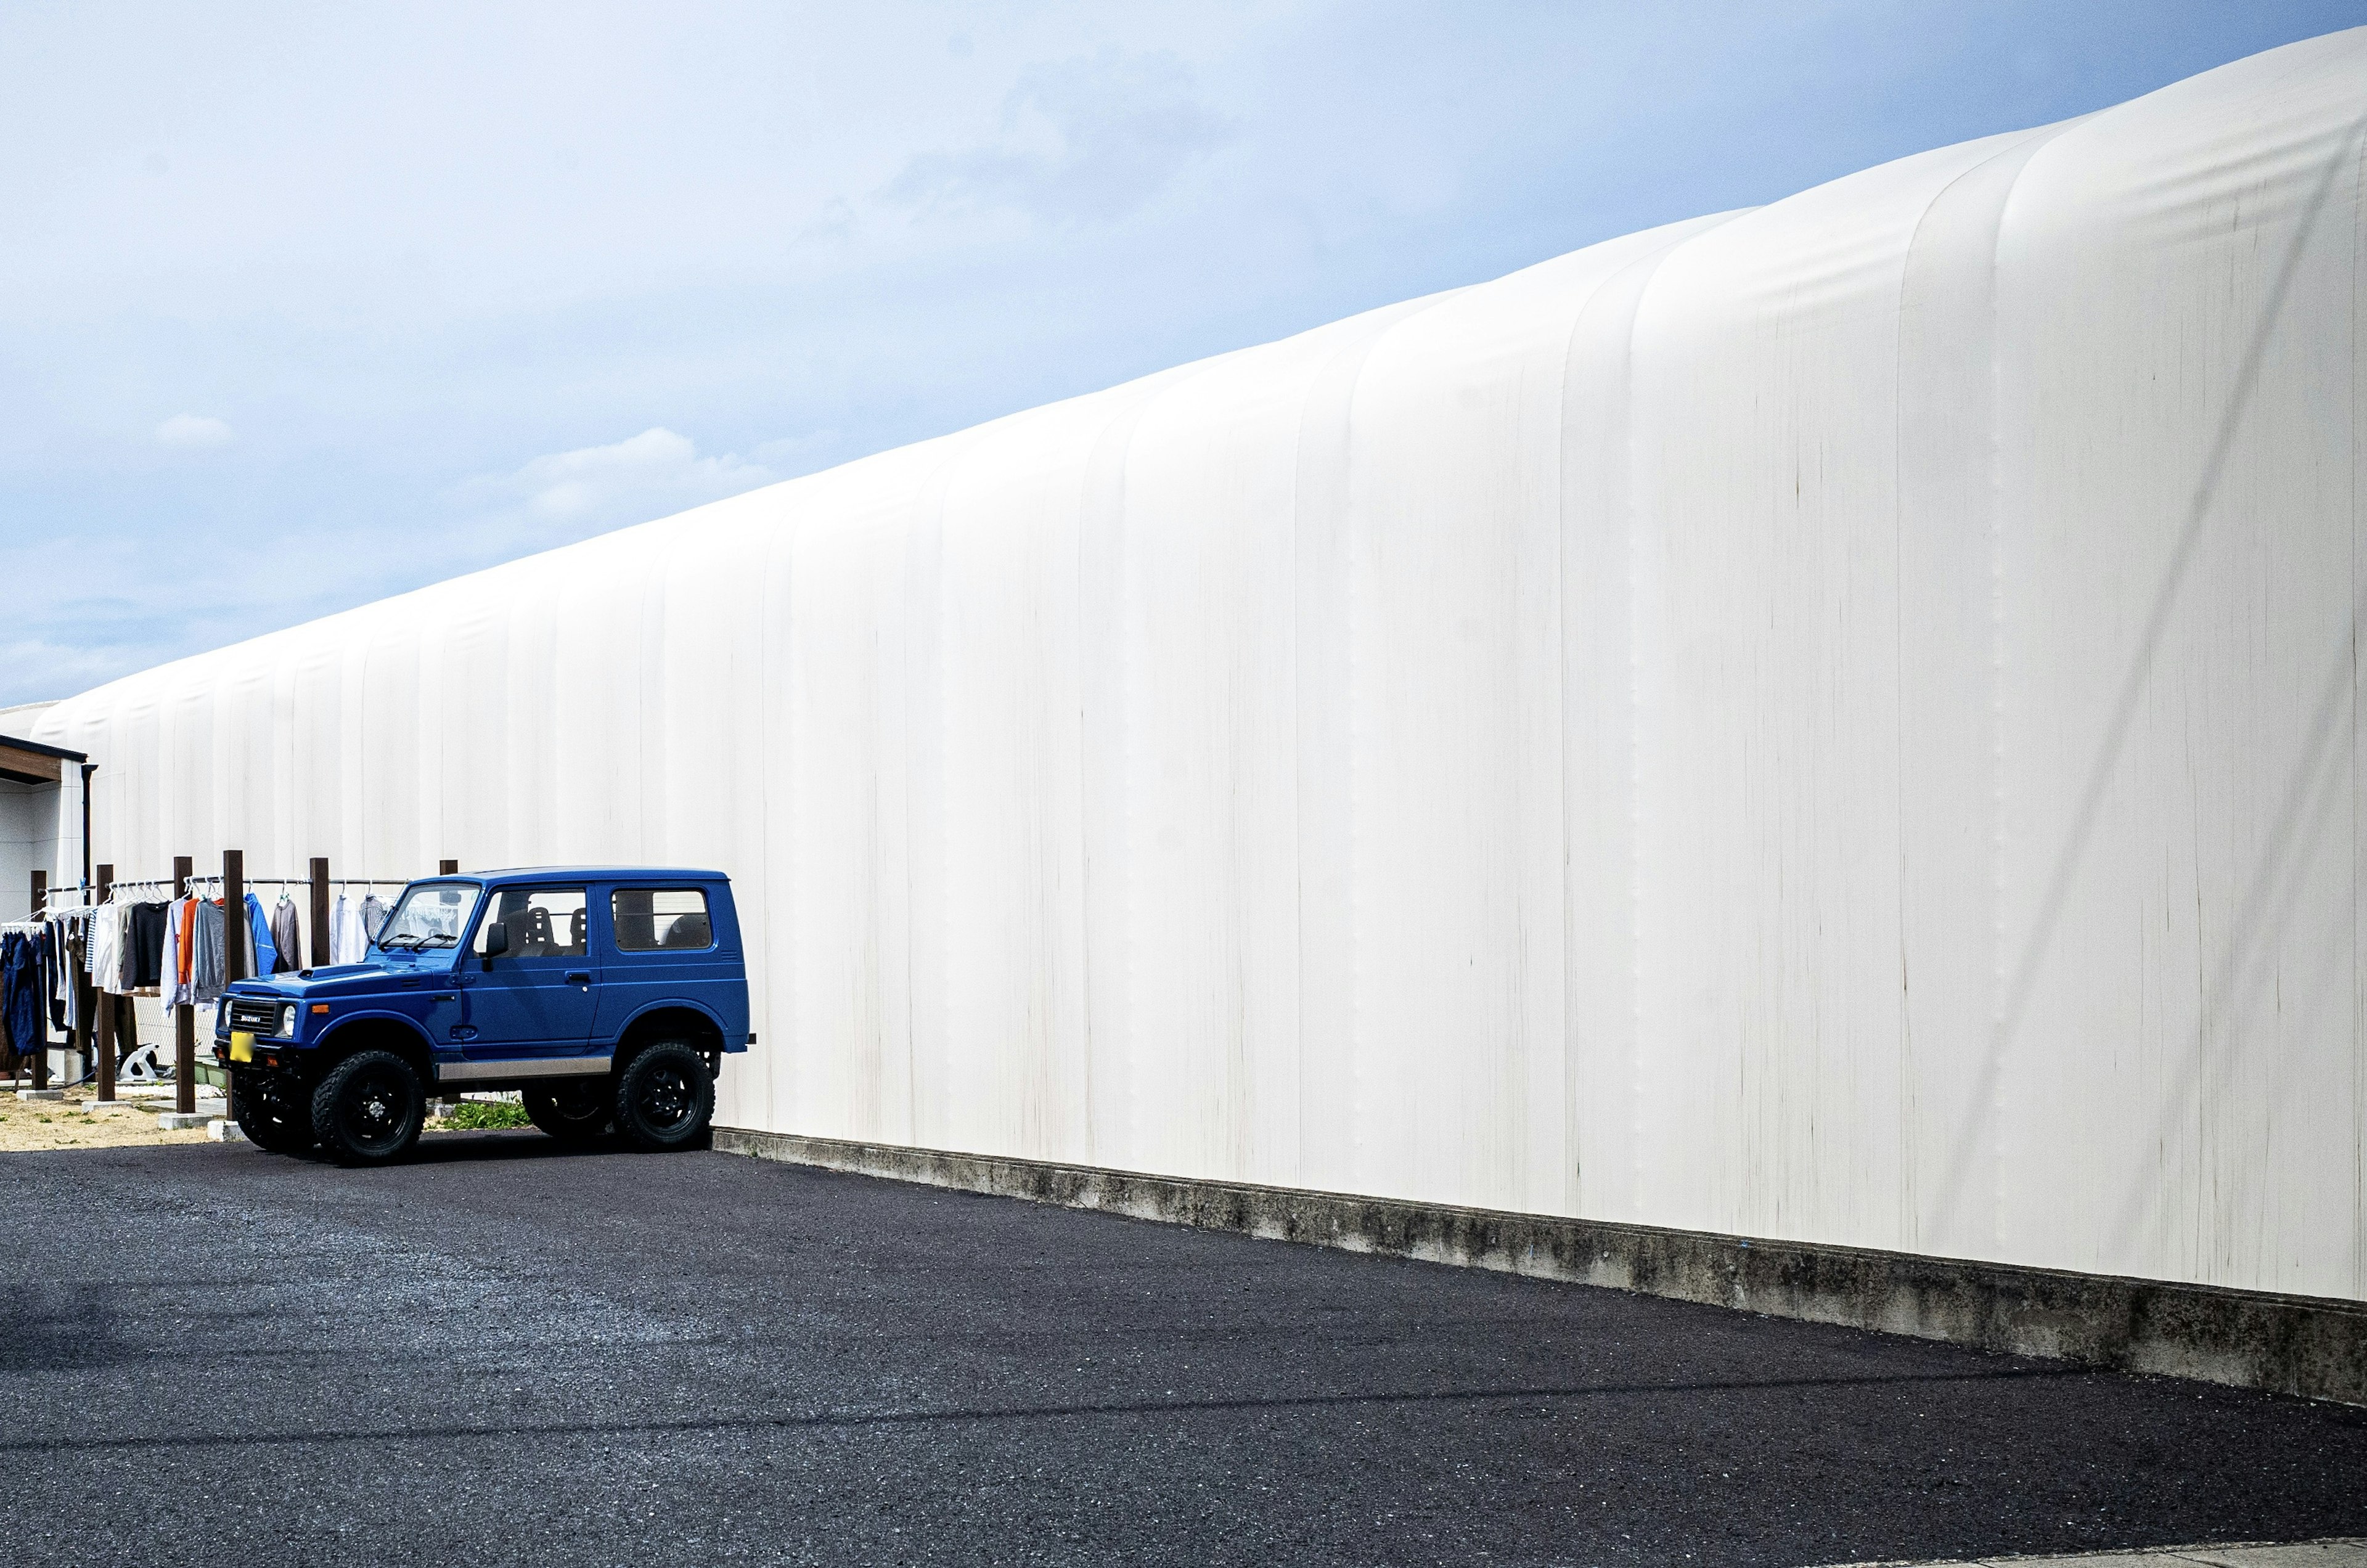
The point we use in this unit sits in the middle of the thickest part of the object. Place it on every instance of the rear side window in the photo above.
(662, 919)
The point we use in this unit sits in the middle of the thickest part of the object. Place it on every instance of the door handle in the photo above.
(579, 976)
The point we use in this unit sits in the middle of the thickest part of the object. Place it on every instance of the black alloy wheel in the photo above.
(664, 1096)
(368, 1109)
(273, 1109)
(573, 1112)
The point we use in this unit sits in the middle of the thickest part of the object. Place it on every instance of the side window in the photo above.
(544, 922)
(662, 919)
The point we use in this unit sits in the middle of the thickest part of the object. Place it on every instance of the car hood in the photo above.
(342, 980)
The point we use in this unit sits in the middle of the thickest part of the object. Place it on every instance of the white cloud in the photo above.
(1088, 138)
(194, 432)
(631, 480)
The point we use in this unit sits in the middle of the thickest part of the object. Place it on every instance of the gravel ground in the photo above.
(69, 1123)
(506, 1353)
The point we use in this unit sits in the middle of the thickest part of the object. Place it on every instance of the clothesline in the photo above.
(215, 880)
(54, 901)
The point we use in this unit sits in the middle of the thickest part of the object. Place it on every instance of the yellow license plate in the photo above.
(242, 1045)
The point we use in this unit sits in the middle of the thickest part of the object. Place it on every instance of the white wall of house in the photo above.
(30, 820)
(27, 831)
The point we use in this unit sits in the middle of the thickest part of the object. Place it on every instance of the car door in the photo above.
(531, 1006)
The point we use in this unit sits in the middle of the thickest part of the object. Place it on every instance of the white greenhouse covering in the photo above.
(1837, 722)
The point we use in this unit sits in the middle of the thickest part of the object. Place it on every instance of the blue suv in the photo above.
(608, 996)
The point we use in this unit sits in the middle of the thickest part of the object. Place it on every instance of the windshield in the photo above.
(432, 914)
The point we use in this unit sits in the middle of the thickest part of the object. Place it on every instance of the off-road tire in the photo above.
(368, 1109)
(274, 1111)
(573, 1112)
(665, 1098)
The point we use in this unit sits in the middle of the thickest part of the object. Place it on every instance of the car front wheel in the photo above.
(368, 1111)
(664, 1096)
(274, 1111)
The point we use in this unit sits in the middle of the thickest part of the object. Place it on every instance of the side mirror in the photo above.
(497, 940)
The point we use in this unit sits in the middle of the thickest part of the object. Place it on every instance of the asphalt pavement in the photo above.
(508, 1353)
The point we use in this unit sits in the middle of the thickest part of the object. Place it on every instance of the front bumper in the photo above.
(239, 1049)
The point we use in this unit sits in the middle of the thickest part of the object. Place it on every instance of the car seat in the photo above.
(530, 933)
(689, 931)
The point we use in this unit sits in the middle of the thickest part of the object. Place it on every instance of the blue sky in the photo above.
(305, 305)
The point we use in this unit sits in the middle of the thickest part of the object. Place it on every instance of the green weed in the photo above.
(471, 1114)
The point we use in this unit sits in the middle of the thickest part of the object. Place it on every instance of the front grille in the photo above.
(255, 1017)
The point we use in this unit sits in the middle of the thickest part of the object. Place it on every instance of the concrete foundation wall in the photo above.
(2296, 1344)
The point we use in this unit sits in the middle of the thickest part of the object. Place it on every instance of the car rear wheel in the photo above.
(274, 1111)
(368, 1111)
(574, 1112)
(664, 1096)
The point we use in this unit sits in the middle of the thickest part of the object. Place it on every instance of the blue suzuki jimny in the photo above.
(609, 996)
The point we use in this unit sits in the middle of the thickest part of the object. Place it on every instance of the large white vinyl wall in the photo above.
(1838, 722)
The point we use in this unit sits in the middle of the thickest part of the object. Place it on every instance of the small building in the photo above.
(40, 808)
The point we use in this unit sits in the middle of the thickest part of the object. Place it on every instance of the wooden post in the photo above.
(103, 1036)
(321, 957)
(41, 1014)
(234, 928)
(184, 1017)
(234, 938)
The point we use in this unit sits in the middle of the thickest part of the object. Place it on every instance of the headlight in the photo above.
(288, 1022)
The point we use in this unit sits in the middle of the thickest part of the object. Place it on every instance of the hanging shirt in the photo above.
(189, 970)
(265, 952)
(180, 953)
(173, 977)
(285, 937)
(148, 922)
(206, 953)
(77, 967)
(53, 967)
(126, 950)
(348, 941)
(374, 915)
(103, 948)
(65, 971)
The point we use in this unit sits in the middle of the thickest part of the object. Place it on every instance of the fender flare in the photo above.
(328, 1045)
(666, 1004)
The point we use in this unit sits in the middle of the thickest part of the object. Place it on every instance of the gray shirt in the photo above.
(206, 952)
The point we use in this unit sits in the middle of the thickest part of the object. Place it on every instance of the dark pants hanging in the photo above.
(22, 988)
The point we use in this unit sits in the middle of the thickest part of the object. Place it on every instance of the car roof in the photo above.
(589, 874)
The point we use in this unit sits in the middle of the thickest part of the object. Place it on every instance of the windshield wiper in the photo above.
(437, 939)
(404, 943)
